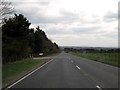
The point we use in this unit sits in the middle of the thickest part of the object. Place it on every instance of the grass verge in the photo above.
(14, 71)
(108, 58)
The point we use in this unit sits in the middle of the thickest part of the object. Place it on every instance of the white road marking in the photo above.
(78, 67)
(71, 61)
(98, 87)
(28, 74)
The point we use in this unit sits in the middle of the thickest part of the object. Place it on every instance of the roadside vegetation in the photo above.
(108, 58)
(20, 44)
(105, 55)
(14, 71)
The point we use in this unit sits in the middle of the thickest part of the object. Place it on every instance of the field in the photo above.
(14, 71)
(108, 58)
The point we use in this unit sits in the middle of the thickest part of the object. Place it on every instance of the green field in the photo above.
(14, 71)
(108, 58)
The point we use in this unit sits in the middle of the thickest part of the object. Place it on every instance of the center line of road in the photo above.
(98, 87)
(71, 61)
(78, 67)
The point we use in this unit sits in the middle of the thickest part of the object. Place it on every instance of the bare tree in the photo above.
(6, 8)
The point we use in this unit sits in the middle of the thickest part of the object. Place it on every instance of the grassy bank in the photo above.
(14, 71)
(108, 58)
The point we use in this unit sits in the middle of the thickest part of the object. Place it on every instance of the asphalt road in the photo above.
(69, 71)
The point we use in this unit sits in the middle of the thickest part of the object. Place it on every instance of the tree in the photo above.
(31, 40)
(18, 41)
(39, 36)
(42, 44)
(15, 38)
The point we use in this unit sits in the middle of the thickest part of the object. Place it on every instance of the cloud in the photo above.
(110, 16)
(69, 30)
(84, 40)
(63, 17)
(67, 21)
(85, 29)
(26, 2)
(55, 32)
(40, 14)
(37, 15)
(44, 3)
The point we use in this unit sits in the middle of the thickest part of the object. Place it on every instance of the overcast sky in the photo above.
(74, 22)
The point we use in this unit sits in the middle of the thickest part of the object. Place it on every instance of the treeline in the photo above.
(19, 41)
(94, 50)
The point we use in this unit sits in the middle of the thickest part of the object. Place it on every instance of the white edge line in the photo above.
(78, 67)
(28, 74)
(98, 87)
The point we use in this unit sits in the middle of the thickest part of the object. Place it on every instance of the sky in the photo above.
(92, 23)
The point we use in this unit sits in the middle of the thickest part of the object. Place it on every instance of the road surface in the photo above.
(69, 71)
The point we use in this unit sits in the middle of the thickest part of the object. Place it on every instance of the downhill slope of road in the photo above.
(69, 71)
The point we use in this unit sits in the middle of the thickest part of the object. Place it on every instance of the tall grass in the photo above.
(109, 58)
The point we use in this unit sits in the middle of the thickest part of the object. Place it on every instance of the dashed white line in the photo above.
(28, 74)
(78, 67)
(98, 87)
(71, 61)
